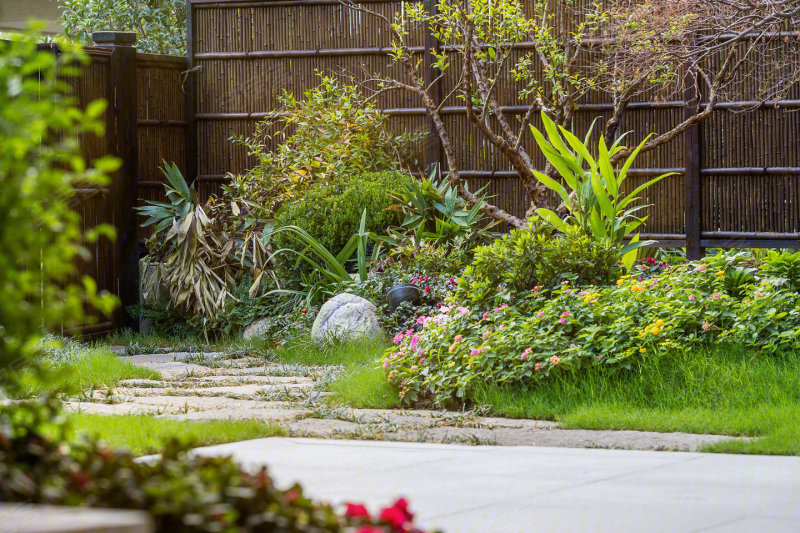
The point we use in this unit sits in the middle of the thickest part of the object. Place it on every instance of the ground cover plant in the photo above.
(529, 335)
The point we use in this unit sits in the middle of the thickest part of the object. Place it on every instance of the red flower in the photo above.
(292, 495)
(80, 479)
(371, 529)
(397, 515)
(356, 510)
(304, 311)
(427, 288)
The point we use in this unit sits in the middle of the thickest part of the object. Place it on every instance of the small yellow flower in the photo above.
(620, 281)
(656, 330)
(720, 273)
(452, 364)
(642, 350)
(637, 288)
(659, 322)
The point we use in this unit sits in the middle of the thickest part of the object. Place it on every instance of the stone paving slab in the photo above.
(523, 489)
(27, 518)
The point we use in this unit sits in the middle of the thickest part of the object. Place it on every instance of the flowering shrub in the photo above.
(182, 493)
(573, 327)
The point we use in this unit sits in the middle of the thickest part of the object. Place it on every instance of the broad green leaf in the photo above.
(552, 184)
(553, 219)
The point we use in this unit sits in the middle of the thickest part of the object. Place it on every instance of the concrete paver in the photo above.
(527, 489)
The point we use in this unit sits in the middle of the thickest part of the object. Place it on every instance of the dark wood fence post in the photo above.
(123, 143)
(691, 139)
(189, 88)
(433, 144)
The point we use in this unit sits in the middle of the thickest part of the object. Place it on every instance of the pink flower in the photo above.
(477, 352)
(486, 334)
(462, 311)
(501, 326)
(555, 360)
(421, 320)
(701, 268)
(538, 366)
(692, 298)
(523, 356)
(444, 309)
(385, 365)
(409, 332)
(539, 314)
(706, 325)
(458, 338)
(562, 320)
(398, 338)
(414, 341)
(485, 315)
(599, 357)
(427, 288)
(566, 313)
(422, 361)
(453, 281)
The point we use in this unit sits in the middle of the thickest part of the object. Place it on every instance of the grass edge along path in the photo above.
(723, 390)
(146, 434)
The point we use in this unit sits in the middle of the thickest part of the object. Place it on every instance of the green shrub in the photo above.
(160, 25)
(40, 165)
(509, 268)
(333, 133)
(507, 264)
(579, 259)
(330, 211)
(783, 265)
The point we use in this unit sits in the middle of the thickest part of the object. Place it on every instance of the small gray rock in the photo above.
(344, 317)
(256, 328)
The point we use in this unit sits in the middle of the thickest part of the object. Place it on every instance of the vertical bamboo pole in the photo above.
(189, 86)
(433, 144)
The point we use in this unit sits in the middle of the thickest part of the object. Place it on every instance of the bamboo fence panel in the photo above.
(745, 172)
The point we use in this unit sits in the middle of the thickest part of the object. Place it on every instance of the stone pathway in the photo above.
(201, 386)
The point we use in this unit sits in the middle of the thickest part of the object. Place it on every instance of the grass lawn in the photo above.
(725, 391)
(360, 384)
(73, 367)
(144, 434)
